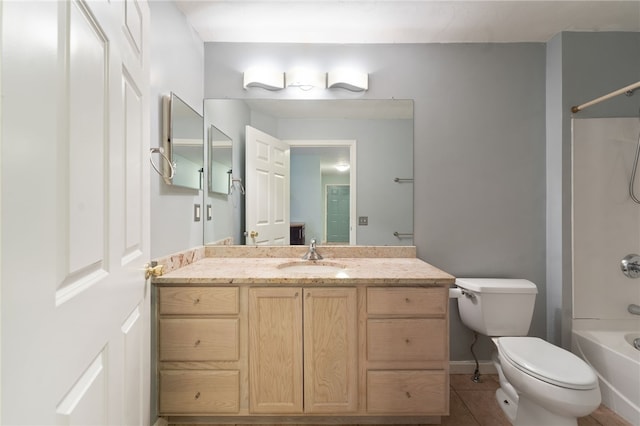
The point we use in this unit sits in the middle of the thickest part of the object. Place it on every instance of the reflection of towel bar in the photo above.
(403, 235)
(398, 180)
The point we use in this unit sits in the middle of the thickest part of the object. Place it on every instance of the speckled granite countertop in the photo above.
(266, 270)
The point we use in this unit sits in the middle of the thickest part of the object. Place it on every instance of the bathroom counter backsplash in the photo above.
(381, 265)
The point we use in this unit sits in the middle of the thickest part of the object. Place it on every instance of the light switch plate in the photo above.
(363, 220)
(196, 213)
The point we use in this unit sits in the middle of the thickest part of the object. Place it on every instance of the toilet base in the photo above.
(531, 414)
(509, 406)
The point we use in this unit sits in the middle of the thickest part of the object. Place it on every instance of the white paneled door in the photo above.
(74, 212)
(267, 189)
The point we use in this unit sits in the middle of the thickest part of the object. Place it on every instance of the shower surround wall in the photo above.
(606, 222)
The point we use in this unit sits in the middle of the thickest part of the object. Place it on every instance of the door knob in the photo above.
(253, 234)
(153, 270)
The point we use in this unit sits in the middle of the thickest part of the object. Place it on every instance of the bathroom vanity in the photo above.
(254, 334)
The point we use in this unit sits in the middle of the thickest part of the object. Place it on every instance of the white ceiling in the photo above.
(398, 21)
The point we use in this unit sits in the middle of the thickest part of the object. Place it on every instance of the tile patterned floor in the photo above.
(474, 404)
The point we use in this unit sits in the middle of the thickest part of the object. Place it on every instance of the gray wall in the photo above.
(580, 67)
(177, 65)
(479, 155)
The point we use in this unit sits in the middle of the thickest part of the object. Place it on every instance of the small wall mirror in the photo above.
(183, 143)
(220, 161)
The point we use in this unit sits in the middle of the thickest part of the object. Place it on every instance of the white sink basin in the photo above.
(312, 267)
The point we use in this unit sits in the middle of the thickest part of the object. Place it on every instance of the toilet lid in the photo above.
(547, 362)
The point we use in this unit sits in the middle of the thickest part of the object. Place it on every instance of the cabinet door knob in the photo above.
(407, 300)
(407, 341)
(408, 395)
(197, 395)
(197, 342)
(195, 302)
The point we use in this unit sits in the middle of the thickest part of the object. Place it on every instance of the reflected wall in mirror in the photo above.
(220, 161)
(183, 143)
(383, 133)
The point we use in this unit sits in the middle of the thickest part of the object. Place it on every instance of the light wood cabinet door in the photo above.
(199, 339)
(330, 350)
(407, 339)
(199, 391)
(198, 301)
(407, 301)
(275, 348)
(415, 392)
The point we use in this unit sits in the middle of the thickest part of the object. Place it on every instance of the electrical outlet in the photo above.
(363, 220)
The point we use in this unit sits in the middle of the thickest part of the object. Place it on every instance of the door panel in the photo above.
(75, 212)
(338, 222)
(275, 345)
(330, 350)
(267, 189)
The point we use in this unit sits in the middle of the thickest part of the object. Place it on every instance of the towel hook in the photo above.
(160, 151)
(239, 182)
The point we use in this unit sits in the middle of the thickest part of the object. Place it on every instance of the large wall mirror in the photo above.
(183, 143)
(350, 169)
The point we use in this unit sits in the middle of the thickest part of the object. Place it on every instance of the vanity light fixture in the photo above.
(342, 167)
(348, 79)
(305, 79)
(264, 78)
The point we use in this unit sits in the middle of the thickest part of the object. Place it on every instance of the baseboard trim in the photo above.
(468, 367)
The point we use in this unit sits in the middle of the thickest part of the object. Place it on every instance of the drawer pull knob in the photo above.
(197, 342)
(408, 395)
(407, 300)
(197, 395)
(195, 302)
(407, 341)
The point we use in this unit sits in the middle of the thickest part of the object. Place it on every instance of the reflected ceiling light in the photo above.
(348, 79)
(306, 79)
(342, 167)
(264, 78)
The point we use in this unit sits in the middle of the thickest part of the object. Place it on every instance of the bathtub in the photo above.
(607, 345)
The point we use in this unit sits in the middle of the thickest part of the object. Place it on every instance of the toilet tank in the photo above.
(497, 306)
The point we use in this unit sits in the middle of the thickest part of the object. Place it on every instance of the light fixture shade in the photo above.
(348, 79)
(306, 79)
(264, 78)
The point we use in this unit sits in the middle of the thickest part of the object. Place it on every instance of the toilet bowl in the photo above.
(540, 384)
(554, 386)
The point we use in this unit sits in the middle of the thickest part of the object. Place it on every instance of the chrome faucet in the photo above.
(633, 309)
(312, 254)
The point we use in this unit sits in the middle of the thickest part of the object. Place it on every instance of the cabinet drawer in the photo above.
(423, 339)
(407, 392)
(407, 301)
(199, 391)
(198, 300)
(199, 339)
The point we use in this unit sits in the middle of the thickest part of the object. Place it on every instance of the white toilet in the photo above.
(540, 384)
